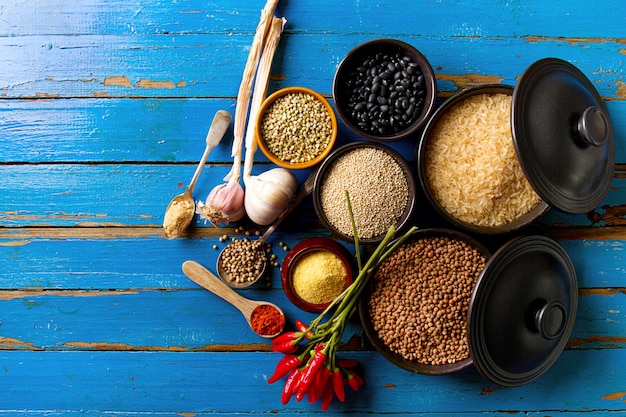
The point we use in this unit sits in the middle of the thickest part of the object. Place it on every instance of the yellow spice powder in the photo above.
(174, 221)
(319, 276)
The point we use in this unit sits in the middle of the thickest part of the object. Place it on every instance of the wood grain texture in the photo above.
(104, 107)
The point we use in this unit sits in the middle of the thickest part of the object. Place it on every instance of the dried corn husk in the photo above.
(245, 89)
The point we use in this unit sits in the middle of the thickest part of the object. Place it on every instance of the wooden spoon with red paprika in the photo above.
(265, 319)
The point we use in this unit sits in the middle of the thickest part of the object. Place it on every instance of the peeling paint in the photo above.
(118, 80)
(596, 341)
(12, 343)
(488, 390)
(573, 41)
(467, 80)
(16, 243)
(13, 295)
(621, 90)
(614, 396)
(145, 83)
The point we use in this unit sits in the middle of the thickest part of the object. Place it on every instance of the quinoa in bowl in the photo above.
(380, 185)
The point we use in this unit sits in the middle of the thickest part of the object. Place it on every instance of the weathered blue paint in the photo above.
(104, 107)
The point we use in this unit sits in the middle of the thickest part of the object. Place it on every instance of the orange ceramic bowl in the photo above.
(288, 159)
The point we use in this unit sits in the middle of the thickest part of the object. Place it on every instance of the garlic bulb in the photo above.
(223, 205)
(268, 194)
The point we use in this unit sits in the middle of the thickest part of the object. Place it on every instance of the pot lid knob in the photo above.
(550, 320)
(593, 126)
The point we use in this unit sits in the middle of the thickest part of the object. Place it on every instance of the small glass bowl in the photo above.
(296, 253)
(268, 102)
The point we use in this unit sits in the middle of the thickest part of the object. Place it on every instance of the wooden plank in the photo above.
(196, 320)
(458, 19)
(82, 259)
(151, 130)
(137, 195)
(215, 71)
(190, 383)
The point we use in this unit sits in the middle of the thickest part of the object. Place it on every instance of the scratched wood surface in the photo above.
(104, 107)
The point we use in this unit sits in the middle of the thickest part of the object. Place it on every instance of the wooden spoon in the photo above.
(206, 279)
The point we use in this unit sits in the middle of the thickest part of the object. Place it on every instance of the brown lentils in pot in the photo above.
(420, 299)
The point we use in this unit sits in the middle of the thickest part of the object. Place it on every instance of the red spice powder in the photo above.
(266, 320)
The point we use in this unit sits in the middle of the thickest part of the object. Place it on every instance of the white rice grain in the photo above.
(471, 164)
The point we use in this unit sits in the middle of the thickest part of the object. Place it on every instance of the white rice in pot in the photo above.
(471, 164)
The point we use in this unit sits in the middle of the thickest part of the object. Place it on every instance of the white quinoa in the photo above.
(378, 189)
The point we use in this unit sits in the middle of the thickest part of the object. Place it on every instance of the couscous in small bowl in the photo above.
(315, 272)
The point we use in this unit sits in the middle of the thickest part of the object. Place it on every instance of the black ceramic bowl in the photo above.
(377, 342)
(421, 157)
(384, 90)
(363, 170)
(297, 253)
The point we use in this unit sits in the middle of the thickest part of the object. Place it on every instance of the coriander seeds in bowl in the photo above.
(296, 128)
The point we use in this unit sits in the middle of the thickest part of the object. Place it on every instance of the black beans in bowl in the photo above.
(384, 90)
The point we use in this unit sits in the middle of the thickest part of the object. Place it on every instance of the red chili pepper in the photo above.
(284, 366)
(303, 328)
(288, 388)
(286, 347)
(320, 384)
(310, 372)
(327, 396)
(338, 385)
(285, 337)
(354, 380)
(347, 363)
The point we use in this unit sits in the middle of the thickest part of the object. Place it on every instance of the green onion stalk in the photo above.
(316, 372)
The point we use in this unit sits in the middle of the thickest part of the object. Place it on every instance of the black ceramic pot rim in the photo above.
(323, 168)
(385, 44)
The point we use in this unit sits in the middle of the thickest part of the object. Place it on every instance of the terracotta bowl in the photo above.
(296, 253)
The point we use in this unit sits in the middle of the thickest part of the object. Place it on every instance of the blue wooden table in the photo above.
(104, 107)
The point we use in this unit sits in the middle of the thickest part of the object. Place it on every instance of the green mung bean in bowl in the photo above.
(379, 183)
(296, 128)
(415, 308)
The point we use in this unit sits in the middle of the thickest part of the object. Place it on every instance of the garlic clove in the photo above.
(268, 194)
(224, 204)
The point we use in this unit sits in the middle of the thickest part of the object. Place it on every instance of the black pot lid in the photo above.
(522, 310)
(563, 136)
